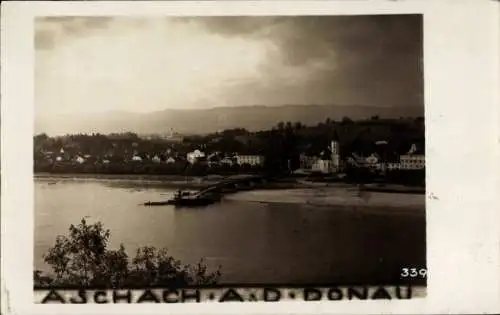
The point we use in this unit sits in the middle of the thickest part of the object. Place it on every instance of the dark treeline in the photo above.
(281, 146)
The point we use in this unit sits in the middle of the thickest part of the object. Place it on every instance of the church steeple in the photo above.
(335, 151)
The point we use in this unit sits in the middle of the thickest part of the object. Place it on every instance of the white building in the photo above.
(323, 166)
(192, 157)
(136, 158)
(331, 165)
(79, 160)
(411, 160)
(170, 160)
(250, 159)
(372, 161)
(156, 159)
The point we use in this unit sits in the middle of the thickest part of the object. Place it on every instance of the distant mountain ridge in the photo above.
(201, 121)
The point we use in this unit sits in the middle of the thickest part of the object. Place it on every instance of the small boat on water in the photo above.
(182, 202)
(187, 199)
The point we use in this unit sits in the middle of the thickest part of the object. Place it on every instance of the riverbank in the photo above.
(276, 187)
(159, 181)
(152, 177)
(166, 181)
(338, 196)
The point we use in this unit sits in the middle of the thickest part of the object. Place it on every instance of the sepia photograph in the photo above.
(250, 157)
(245, 150)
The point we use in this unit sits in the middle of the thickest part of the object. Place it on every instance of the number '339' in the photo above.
(413, 272)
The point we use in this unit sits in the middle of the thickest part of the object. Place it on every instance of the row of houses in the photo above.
(329, 162)
(168, 157)
(80, 158)
(229, 159)
(374, 161)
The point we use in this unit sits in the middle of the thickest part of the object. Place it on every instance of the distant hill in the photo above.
(202, 121)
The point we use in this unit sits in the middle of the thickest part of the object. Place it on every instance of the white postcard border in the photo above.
(461, 65)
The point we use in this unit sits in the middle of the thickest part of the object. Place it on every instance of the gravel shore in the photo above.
(346, 196)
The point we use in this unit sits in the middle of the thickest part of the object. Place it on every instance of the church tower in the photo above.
(335, 152)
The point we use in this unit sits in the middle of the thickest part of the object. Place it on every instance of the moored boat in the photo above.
(183, 199)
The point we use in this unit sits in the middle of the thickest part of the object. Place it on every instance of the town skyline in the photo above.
(397, 144)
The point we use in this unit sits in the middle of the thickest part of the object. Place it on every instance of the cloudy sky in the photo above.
(92, 64)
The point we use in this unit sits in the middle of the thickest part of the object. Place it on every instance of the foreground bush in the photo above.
(82, 259)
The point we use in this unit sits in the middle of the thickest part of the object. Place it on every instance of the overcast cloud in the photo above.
(92, 64)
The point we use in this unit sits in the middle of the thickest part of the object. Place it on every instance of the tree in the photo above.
(82, 259)
(281, 125)
(346, 120)
(41, 137)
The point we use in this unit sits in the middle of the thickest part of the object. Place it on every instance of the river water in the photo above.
(253, 242)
